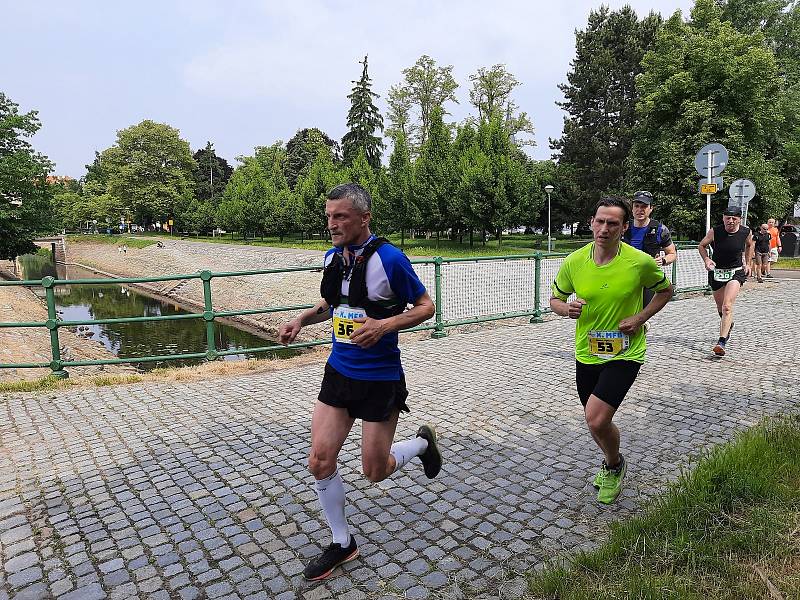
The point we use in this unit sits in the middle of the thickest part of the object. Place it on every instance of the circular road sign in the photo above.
(719, 159)
(743, 190)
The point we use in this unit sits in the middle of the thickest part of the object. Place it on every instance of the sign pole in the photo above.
(708, 196)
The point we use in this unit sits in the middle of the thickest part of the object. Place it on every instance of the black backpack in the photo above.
(331, 286)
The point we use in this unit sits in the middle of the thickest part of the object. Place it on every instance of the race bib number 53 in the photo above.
(344, 322)
(607, 344)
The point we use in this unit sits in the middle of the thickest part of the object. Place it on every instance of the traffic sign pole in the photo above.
(708, 196)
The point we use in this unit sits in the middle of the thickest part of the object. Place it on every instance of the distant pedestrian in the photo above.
(119, 249)
(775, 247)
(762, 239)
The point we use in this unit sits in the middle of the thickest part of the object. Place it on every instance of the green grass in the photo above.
(35, 385)
(737, 512)
(787, 263)
(511, 244)
(49, 382)
(116, 240)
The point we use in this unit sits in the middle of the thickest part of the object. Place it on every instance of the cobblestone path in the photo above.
(200, 490)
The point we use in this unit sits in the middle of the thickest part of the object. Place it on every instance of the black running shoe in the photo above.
(333, 556)
(431, 458)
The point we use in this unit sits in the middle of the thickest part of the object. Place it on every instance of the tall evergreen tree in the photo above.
(363, 120)
(600, 100)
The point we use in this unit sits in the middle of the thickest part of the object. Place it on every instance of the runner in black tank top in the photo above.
(732, 245)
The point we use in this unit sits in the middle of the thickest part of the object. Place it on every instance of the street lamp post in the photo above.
(548, 188)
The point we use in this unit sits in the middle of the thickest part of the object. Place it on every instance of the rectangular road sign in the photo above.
(708, 188)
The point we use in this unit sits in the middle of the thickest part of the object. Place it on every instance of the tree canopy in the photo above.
(24, 193)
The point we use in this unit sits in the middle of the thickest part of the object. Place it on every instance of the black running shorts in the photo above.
(363, 399)
(609, 381)
(718, 285)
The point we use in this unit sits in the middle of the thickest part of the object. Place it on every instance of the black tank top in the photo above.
(728, 247)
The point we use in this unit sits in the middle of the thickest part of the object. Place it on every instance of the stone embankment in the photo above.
(228, 293)
(32, 344)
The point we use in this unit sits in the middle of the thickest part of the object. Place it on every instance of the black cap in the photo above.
(643, 197)
(733, 211)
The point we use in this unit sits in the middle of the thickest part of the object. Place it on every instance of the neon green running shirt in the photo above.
(613, 292)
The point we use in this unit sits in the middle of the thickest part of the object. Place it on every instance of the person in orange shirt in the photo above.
(774, 245)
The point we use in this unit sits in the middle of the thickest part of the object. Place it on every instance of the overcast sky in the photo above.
(245, 73)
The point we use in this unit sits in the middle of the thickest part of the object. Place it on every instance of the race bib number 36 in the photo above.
(607, 344)
(344, 322)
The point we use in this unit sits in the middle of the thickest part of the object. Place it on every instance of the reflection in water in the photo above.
(128, 340)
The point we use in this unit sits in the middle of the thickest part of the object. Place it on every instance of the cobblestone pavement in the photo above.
(199, 490)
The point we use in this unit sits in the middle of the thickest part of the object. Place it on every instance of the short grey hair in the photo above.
(360, 197)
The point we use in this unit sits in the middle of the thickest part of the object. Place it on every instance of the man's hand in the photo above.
(630, 325)
(575, 307)
(369, 333)
(659, 260)
(710, 264)
(288, 331)
(747, 269)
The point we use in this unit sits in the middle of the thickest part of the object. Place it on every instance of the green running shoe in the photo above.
(610, 482)
(598, 478)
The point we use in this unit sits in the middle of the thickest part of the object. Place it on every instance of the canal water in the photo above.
(129, 340)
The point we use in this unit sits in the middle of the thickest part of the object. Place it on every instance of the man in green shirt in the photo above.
(607, 278)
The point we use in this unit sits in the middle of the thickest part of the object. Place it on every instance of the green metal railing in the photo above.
(434, 270)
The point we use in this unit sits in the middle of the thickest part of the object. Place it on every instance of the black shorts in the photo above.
(718, 285)
(363, 399)
(609, 381)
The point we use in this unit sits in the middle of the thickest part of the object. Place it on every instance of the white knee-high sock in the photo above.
(331, 496)
(406, 450)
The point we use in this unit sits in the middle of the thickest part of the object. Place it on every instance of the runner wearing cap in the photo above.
(649, 236)
(732, 246)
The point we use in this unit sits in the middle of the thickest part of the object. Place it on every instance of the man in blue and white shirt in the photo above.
(366, 288)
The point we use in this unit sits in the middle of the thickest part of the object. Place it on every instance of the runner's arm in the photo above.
(632, 324)
(422, 310)
(373, 330)
(702, 248)
(670, 254)
(567, 309)
(749, 250)
(316, 314)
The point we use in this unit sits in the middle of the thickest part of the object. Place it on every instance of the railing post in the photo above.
(52, 324)
(675, 276)
(437, 278)
(537, 292)
(208, 317)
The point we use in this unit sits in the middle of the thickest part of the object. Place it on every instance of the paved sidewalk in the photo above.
(200, 490)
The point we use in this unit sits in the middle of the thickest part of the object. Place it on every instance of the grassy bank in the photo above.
(510, 244)
(52, 383)
(116, 240)
(787, 263)
(729, 529)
